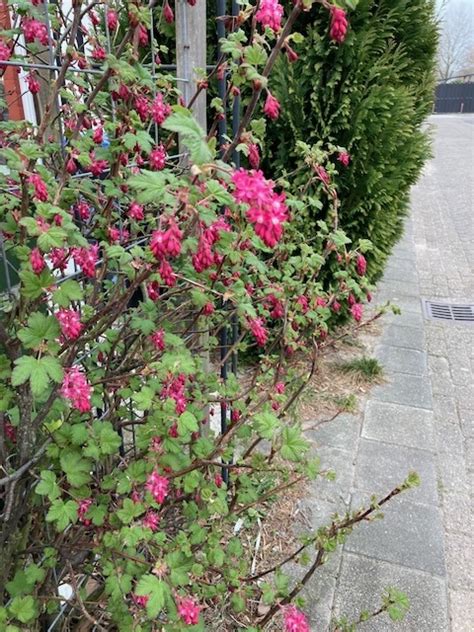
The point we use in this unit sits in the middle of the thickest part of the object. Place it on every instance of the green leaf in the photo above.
(24, 608)
(109, 440)
(76, 468)
(79, 434)
(68, 291)
(48, 485)
(293, 445)
(144, 398)
(54, 237)
(23, 370)
(156, 590)
(40, 328)
(187, 422)
(33, 285)
(38, 371)
(266, 424)
(183, 122)
(63, 513)
(180, 567)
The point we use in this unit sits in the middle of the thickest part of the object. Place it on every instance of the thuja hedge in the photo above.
(369, 97)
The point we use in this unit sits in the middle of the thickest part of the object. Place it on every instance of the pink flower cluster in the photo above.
(37, 261)
(174, 388)
(295, 620)
(159, 109)
(82, 510)
(40, 189)
(188, 610)
(271, 107)
(34, 30)
(86, 259)
(258, 330)
(361, 265)
(33, 84)
(70, 323)
(5, 52)
(135, 211)
(77, 389)
(267, 209)
(339, 24)
(112, 20)
(158, 486)
(165, 243)
(151, 520)
(158, 158)
(344, 158)
(158, 340)
(356, 311)
(269, 14)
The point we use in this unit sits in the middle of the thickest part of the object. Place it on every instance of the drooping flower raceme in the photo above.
(271, 107)
(70, 323)
(77, 389)
(188, 610)
(269, 14)
(361, 265)
(267, 209)
(258, 330)
(339, 25)
(158, 486)
(40, 189)
(295, 620)
(86, 259)
(37, 261)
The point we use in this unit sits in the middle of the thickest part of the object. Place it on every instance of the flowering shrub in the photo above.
(131, 265)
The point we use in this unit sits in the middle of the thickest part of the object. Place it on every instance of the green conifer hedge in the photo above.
(369, 95)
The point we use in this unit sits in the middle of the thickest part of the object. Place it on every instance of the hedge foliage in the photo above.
(370, 97)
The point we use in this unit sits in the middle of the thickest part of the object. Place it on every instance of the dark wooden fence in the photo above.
(454, 97)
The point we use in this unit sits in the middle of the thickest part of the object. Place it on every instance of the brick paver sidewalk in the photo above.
(421, 419)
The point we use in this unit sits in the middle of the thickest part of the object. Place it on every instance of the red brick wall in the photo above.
(10, 75)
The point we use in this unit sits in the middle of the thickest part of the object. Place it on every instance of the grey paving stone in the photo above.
(342, 463)
(362, 583)
(399, 288)
(407, 319)
(467, 422)
(382, 466)
(403, 271)
(449, 438)
(460, 561)
(445, 409)
(462, 610)
(405, 303)
(409, 390)
(401, 360)
(342, 432)
(407, 337)
(409, 534)
(458, 513)
(403, 425)
(453, 473)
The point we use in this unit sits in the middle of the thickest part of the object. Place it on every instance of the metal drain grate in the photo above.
(435, 310)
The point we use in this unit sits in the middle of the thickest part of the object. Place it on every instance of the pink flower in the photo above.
(83, 509)
(361, 265)
(203, 258)
(158, 158)
(77, 389)
(295, 620)
(339, 24)
(303, 303)
(83, 209)
(168, 13)
(167, 274)
(344, 158)
(322, 174)
(258, 330)
(269, 14)
(97, 167)
(32, 29)
(59, 258)
(153, 290)
(271, 107)
(267, 209)
(41, 191)
(142, 106)
(208, 309)
(218, 480)
(158, 340)
(5, 52)
(151, 520)
(175, 389)
(140, 600)
(166, 242)
(336, 306)
(135, 211)
(356, 311)
(86, 259)
(112, 20)
(159, 109)
(157, 486)
(254, 156)
(98, 54)
(70, 323)
(71, 165)
(188, 610)
(33, 84)
(142, 35)
(279, 388)
(37, 261)
(10, 431)
(98, 135)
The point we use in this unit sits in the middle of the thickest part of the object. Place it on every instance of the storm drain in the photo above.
(437, 310)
